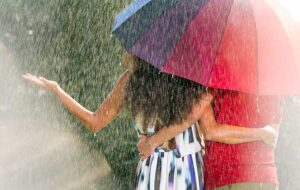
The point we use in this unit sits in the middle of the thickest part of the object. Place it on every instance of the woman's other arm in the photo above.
(147, 145)
(94, 121)
(212, 131)
(231, 134)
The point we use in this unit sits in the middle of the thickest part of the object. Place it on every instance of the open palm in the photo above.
(41, 82)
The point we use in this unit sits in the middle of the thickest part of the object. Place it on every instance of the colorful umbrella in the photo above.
(243, 45)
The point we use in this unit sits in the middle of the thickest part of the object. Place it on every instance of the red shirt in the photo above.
(248, 162)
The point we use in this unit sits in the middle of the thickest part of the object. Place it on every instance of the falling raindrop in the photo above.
(17, 17)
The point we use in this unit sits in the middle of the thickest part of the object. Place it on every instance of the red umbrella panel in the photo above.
(242, 45)
(291, 25)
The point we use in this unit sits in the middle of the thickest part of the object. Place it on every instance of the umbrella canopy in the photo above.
(243, 45)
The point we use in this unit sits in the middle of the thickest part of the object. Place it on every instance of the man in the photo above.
(248, 165)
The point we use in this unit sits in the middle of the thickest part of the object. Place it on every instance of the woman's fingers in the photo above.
(35, 80)
(142, 157)
(144, 147)
(45, 81)
(142, 137)
(42, 82)
(31, 78)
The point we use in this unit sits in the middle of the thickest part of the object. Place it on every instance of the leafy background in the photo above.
(70, 41)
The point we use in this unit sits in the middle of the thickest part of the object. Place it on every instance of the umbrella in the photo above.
(244, 45)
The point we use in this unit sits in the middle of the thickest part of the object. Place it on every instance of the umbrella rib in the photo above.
(158, 17)
(140, 11)
(257, 75)
(219, 45)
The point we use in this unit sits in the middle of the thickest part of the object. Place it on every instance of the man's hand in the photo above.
(145, 147)
(270, 135)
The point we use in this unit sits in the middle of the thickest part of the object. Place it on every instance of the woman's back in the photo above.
(177, 168)
(156, 101)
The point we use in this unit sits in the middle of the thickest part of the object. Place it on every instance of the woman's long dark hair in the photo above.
(154, 94)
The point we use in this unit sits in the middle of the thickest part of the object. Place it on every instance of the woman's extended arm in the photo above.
(94, 121)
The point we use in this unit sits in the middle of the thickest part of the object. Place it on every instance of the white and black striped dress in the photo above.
(178, 169)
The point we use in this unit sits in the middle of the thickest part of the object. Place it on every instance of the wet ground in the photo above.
(49, 160)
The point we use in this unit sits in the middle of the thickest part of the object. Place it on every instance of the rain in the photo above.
(42, 145)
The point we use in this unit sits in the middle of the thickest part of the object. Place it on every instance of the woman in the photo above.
(157, 102)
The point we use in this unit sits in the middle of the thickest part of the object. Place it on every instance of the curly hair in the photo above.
(154, 94)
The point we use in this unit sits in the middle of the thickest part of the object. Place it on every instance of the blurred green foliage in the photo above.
(70, 41)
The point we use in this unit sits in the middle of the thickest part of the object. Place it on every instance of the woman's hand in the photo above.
(269, 135)
(41, 82)
(145, 147)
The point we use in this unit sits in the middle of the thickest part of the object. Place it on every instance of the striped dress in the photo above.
(178, 169)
